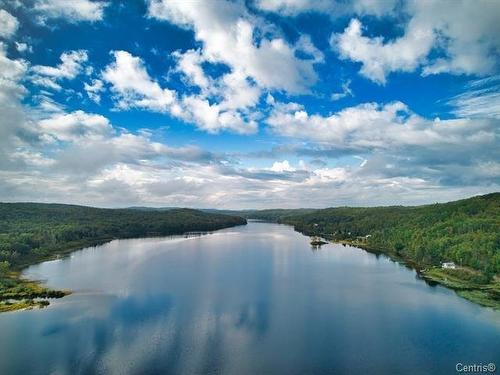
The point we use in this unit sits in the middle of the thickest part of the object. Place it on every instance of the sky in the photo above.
(249, 104)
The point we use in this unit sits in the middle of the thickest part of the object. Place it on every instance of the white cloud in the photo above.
(98, 164)
(232, 90)
(374, 7)
(23, 47)
(395, 142)
(189, 63)
(481, 99)
(257, 57)
(8, 24)
(282, 166)
(11, 92)
(127, 181)
(11, 71)
(77, 125)
(70, 10)
(47, 106)
(294, 7)
(50, 153)
(71, 65)
(94, 89)
(227, 32)
(379, 57)
(45, 82)
(134, 87)
(331, 7)
(238, 92)
(69, 68)
(212, 117)
(371, 126)
(363, 125)
(465, 33)
(31, 158)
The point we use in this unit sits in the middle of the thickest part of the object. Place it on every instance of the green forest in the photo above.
(33, 232)
(466, 232)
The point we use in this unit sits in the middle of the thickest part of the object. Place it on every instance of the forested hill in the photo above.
(466, 231)
(30, 232)
(270, 215)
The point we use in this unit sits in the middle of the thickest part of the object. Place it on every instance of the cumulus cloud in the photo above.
(374, 126)
(213, 117)
(134, 88)
(282, 166)
(455, 151)
(81, 157)
(95, 163)
(76, 125)
(464, 34)
(69, 68)
(371, 153)
(71, 11)
(233, 90)
(8, 24)
(227, 32)
(48, 76)
(379, 57)
(189, 63)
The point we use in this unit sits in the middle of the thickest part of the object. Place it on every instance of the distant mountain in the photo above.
(144, 208)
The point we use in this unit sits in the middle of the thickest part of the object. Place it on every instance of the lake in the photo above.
(254, 299)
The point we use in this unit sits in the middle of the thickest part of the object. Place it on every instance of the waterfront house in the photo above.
(449, 265)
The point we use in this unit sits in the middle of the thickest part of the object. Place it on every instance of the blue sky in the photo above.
(266, 103)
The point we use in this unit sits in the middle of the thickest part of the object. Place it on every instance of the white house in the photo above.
(449, 265)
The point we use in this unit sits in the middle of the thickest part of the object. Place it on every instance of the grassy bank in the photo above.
(31, 233)
(466, 282)
(17, 293)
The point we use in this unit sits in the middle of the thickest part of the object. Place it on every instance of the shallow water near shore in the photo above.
(254, 299)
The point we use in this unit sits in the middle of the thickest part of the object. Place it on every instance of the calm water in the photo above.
(248, 300)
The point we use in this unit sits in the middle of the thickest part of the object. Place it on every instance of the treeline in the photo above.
(271, 215)
(31, 232)
(466, 231)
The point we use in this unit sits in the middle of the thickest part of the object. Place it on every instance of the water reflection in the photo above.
(254, 317)
(246, 300)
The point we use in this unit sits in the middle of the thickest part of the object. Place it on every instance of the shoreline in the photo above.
(19, 293)
(481, 294)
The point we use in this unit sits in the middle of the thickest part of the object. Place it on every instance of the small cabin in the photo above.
(449, 265)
